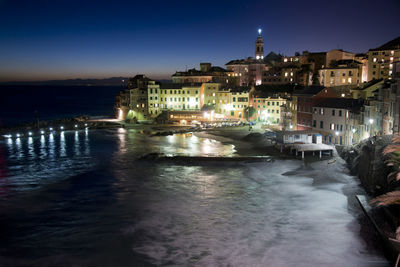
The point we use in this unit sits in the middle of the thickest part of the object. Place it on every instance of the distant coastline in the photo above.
(113, 81)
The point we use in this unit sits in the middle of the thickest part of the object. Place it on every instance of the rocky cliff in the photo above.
(367, 162)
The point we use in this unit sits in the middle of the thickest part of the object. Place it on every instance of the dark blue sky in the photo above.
(89, 39)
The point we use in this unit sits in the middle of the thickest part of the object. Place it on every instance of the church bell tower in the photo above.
(259, 53)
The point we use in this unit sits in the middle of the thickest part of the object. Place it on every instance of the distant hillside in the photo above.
(114, 81)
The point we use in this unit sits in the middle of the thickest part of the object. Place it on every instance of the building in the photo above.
(207, 73)
(152, 101)
(284, 73)
(337, 120)
(388, 97)
(308, 64)
(174, 97)
(381, 59)
(239, 101)
(133, 103)
(306, 99)
(259, 51)
(396, 91)
(298, 137)
(337, 55)
(267, 109)
(346, 72)
(289, 114)
(250, 70)
(365, 91)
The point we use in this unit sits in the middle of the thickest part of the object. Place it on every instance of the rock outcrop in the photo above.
(367, 162)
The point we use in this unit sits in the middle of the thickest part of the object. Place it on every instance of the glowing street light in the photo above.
(371, 121)
(51, 128)
(259, 31)
(336, 133)
(354, 130)
(62, 127)
(18, 135)
(76, 126)
(41, 132)
(30, 133)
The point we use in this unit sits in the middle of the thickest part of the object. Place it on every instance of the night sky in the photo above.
(42, 40)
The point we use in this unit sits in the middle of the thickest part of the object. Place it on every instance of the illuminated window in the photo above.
(391, 58)
(286, 74)
(285, 60)
(374, 59)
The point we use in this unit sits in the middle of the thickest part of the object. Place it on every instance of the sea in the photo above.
(21, 104)
(88, 198)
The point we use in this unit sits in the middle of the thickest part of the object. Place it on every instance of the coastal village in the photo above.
(345, 97)
(311, 102)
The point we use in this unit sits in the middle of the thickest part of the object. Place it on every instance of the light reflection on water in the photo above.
(94, 204)
(63, 150)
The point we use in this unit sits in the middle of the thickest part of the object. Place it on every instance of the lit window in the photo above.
(391, 58)
(375, 59)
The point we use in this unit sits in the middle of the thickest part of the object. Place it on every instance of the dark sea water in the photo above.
(82, 198)
(21, 104)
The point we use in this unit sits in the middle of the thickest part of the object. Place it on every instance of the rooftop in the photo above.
(341, 103)
(178, 85)
(270, 58)
(311, 90)
(212, 71)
